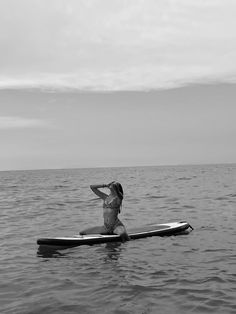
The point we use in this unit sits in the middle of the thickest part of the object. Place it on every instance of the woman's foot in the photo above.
(124, 237)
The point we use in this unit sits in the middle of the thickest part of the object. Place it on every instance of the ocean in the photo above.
(191, 273)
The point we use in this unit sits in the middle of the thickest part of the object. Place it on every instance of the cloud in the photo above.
(11, 122)
(133, 78)
(110, 45)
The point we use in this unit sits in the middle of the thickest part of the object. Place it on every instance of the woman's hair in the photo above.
(118, 189)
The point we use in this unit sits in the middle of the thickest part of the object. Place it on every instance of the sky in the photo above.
(118, 44)
(87, 83)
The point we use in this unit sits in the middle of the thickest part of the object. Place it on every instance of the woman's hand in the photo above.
(109, 184)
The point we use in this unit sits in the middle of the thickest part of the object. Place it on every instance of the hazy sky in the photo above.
(177, 56)
(116, 44)
(58, 130)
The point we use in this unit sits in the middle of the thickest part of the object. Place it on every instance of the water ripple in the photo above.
(191, 273)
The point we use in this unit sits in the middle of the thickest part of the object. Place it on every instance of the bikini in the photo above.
(110, 227)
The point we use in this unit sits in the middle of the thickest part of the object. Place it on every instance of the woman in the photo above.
(111, 208)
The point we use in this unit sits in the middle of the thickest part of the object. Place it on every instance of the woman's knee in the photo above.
(121, 231)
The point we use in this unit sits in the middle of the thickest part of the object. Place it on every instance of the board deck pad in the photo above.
(166, 229)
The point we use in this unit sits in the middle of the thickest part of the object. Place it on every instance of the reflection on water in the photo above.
(112, 250)
(50, 252)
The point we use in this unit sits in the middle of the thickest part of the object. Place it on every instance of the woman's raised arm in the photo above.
(95, 188)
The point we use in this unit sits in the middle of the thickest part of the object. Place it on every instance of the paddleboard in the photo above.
(166, 229)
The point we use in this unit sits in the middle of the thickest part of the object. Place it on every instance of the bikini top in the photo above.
(113, 203)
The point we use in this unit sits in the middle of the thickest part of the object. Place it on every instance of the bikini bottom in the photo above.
(110, 227)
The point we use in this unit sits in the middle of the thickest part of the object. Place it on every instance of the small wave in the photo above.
(155, 196)
(184, 178)
(173, 199)
(75, 201)
(145, 287)
(55, 206)
(208, 228)
(59, 186)
(38, 198)
(213, 279)
(216, 250)
(221, 198)
(134, 200)
(231, 195)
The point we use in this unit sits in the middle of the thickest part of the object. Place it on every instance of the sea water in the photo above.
(192, 273)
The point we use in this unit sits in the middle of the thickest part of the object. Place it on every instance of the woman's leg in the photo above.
(94, 230)
(121, 231)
